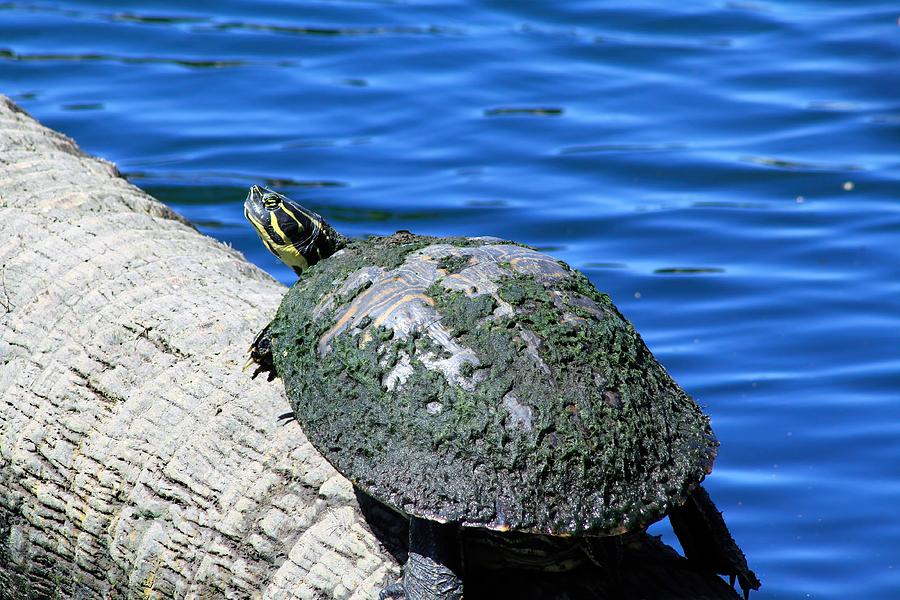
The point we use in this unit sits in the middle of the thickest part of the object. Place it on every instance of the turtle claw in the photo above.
(745, 588)
(260, 368)
(270, 373)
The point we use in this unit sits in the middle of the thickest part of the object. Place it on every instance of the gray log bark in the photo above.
(137, 460)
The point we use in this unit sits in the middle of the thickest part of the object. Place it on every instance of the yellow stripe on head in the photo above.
(286, 208)
(273, 221)
(297, 236)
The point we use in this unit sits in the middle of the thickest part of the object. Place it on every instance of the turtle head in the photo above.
(296, 235)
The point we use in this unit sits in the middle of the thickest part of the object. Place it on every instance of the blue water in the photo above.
(727, 171)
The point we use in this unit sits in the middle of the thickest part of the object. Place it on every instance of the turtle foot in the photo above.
(432, 566)
(270, 373)
(395, 591)
(425, 578)
(261, 356)
(707, 542)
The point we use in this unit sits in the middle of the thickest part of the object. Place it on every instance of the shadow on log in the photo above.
(645, 569)
(136, 459)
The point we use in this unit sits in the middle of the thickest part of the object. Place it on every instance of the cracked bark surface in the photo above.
(136, 459)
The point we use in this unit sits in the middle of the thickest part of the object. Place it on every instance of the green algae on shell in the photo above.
(481, 382)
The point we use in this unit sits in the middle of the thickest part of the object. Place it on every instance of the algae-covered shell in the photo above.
(481, 382)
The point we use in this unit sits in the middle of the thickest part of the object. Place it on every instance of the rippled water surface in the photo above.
(727, 171)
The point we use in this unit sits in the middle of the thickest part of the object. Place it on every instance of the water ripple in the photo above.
(8, 54)
(797, 165)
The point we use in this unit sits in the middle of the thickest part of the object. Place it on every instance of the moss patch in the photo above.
(453, 263)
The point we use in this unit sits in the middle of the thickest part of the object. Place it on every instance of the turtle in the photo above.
(475, 384)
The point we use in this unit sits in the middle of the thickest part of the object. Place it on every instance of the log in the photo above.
(137, 460)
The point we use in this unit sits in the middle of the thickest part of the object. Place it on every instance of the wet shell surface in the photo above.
(478, 381)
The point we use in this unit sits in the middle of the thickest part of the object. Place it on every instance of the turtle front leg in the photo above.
(432, 571)
(707, 542)
(261, 356)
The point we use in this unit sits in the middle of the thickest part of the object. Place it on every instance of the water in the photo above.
(727, 171)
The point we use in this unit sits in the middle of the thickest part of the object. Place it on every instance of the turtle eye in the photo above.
(271, 201)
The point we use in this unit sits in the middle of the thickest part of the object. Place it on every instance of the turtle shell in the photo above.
(481, 382)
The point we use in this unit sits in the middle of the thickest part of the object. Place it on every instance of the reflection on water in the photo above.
(183, 62)
(782, 163)
(687, 270)
(726, 171)
(537, 111)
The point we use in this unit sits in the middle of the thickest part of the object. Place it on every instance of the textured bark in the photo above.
(136, 459)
